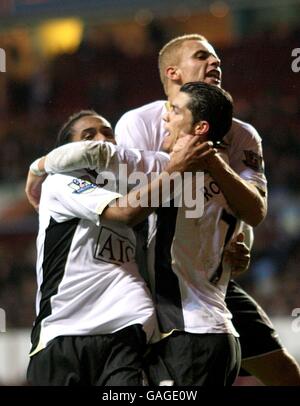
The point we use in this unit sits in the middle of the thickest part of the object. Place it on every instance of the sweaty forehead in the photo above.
(192, 46)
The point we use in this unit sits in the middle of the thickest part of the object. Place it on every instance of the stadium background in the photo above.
(62, 56)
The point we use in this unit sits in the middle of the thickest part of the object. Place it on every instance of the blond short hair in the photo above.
(169, 54)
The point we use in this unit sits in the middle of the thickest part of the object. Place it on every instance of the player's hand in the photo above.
(33, 188)
(238, 255)
(181, 143)
(190, 154)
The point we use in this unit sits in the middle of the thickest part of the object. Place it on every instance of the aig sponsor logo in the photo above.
(113, 247)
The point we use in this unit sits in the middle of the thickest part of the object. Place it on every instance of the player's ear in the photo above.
(172, 73)
(201, 128)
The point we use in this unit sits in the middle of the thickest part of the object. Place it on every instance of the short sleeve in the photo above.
(142, 128)
(68, 197)
(131, 132)
(245, 153)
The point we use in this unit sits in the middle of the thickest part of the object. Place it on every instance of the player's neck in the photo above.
(173, 90)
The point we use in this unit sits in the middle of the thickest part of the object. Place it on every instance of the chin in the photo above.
(212, 81)
(165, 148)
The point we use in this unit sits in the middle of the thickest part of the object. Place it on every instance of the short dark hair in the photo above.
(210, 103)
(170, 54)
(65, 133)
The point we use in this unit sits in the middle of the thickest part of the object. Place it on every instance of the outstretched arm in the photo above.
(101, 155)
(91, 155)
(97, 155)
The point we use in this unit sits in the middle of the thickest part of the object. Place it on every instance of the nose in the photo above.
(100, 137)
(214, 61)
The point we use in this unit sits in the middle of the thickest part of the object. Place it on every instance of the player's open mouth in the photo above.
(214, 74)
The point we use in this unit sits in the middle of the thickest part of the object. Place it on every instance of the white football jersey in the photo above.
(142, 128)
(88, 281)
(187, 273)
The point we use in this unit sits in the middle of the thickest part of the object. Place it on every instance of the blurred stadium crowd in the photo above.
(103, 76)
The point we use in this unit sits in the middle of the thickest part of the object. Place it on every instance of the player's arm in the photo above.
(66, 158)
(247, 164)
(74, 156)
(237, 255)
(129, 209)
(90, 155)
(246, 200)
(33, 188)
(101, 155)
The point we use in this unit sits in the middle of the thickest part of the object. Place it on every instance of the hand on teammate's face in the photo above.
(190, 154)
(181, 142)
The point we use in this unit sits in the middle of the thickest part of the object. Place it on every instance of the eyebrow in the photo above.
(206, 53)
(174, 106)
(87, 129)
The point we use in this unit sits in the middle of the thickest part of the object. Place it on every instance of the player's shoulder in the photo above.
(242, 129)
(53, 187)
(146, 112)
(60, 181)
(52, 183)
(57, 178)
